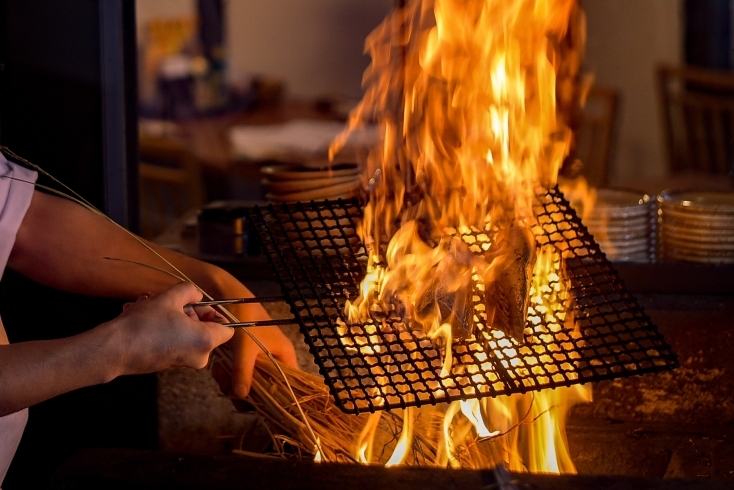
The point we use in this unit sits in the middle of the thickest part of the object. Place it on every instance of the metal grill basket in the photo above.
(319, 261)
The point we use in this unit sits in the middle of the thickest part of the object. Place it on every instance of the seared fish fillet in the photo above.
(450, 288)
(507, 295)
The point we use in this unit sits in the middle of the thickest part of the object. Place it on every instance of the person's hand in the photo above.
(237, 381)
(163, 332)
(245, 352)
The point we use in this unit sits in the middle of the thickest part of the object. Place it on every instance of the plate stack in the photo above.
(697, 226)
(290, 183)
(621, 224)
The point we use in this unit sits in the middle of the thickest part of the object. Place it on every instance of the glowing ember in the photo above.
(464, 93)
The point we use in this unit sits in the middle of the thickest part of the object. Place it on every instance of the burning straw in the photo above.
(526, 432)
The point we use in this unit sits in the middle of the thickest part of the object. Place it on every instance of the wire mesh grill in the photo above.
(600, 332)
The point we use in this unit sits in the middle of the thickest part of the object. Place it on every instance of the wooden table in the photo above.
(225, 174)
(209, 137)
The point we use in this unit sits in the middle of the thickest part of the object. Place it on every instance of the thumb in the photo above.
(218, 333)
(181, 294)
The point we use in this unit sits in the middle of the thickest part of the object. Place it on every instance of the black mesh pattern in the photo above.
(597, 332)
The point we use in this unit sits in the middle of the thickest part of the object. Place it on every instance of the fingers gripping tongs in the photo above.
(255, 323)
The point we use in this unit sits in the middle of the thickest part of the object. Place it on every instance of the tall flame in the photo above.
(464, 94)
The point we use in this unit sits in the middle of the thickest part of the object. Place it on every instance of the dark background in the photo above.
(53, 98)
(707, 34)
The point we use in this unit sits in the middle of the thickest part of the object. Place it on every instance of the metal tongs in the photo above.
(236, 301)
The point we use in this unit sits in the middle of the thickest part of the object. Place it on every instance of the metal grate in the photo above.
(319, 260)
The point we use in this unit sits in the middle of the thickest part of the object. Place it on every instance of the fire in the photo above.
(318, 457)
(533, 428)
(464, 94)
(580, 194)
(402, 448)
(366, 440)
(526, 432)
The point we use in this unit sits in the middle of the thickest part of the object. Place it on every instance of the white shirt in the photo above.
(15, 197)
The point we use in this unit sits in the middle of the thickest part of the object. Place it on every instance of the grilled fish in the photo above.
(507, 294)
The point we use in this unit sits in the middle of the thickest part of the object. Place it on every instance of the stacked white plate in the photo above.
(290, 183)
(620, 222)
(697, 226)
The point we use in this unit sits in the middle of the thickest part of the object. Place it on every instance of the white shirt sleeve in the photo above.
(15, 198)
(11, 431)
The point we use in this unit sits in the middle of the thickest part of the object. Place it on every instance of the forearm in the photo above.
(31, 372)
(62, 245)
(151, 335)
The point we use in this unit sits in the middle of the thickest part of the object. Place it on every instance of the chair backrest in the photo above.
(596, 135)
(697, 109)
(170, 183)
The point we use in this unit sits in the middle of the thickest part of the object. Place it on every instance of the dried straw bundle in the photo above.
(275, 405)
(338, 433)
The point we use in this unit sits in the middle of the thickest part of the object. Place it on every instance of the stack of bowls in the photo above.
(307, 182)
(697, 226)
(620, 221)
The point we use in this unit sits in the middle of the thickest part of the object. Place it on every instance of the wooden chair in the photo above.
(595, 136)
(170, 183)
(697, 109)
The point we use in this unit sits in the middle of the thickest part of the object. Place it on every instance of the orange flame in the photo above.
(526, 432)
(532, 428)
(402, 448)
(464, 95)
(580, 194)
(365, 443)
(318, 457)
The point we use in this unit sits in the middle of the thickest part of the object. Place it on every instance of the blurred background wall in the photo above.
(626, 40)
(316, 46)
